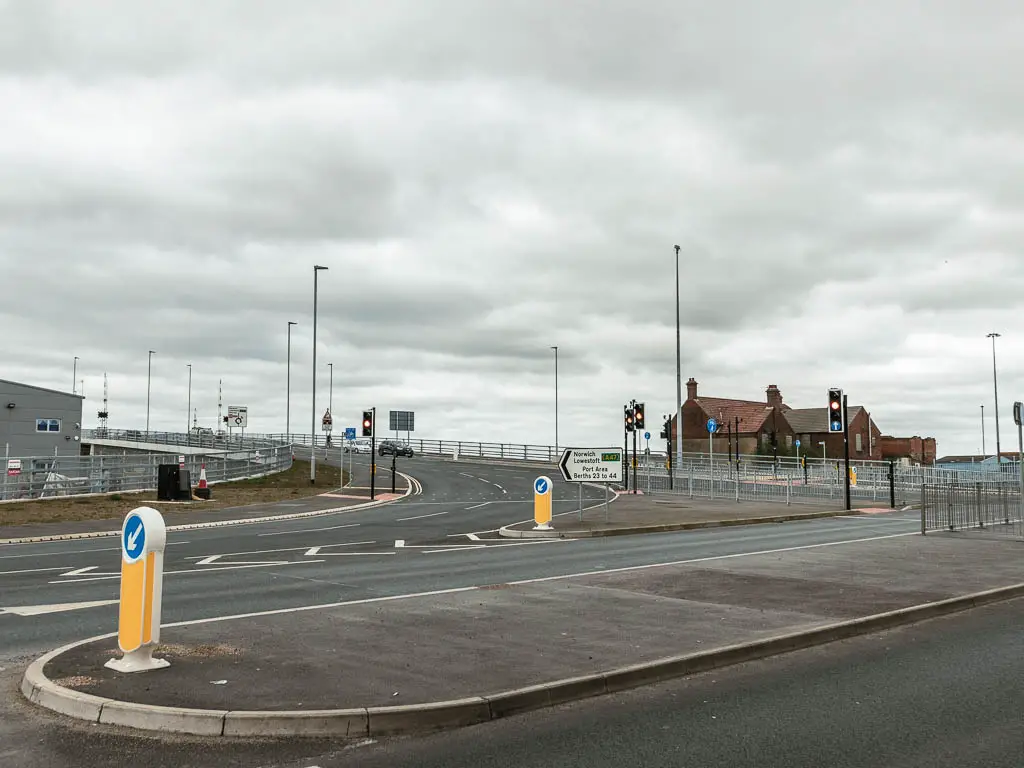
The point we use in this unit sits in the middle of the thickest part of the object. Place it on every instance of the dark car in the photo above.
(394, 448)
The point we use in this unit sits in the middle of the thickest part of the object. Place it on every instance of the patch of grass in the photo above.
(290, 484)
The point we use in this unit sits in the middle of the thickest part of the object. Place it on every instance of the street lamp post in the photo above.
(330, 389)
(556, 398)
(995, 387)
(188, 412)
(149, 380)
(312, 430)
(983, 432)
(74, 375)
(288, 395)
(679, 378)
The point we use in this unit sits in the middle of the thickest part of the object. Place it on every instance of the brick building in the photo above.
(757, 425)
(811, 426)
(771, 426)
(918, 450)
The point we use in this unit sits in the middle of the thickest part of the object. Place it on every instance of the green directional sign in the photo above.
(611, 456)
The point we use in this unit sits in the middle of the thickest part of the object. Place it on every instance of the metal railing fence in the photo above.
(41, 477)
(993, 507)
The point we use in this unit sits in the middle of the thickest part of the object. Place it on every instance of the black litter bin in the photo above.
(184, 485)
(167, 483)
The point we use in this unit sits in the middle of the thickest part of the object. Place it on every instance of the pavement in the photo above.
(630, 513)
(513, 645)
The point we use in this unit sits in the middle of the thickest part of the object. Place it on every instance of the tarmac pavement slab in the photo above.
(491, 639)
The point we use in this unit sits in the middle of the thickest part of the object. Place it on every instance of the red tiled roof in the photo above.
(751, 413)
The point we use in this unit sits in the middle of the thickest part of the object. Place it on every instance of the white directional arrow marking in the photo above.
(38, 610)
(134, 537)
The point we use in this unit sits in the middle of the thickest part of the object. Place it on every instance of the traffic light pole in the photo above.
(634, 461)
(846, 450)
(373, 453)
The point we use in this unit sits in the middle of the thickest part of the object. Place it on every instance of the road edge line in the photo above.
(414, 718)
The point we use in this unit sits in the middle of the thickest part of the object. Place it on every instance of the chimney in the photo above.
(691, 389)
(774, 396)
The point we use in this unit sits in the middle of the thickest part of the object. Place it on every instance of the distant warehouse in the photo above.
(39, 422)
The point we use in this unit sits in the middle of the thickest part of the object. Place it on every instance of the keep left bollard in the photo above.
(143, 538)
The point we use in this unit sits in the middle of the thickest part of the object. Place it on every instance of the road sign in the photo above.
(797, 443)
(350, 433)
(327, 421)
(143, 537)
(591, 465)
(181, 461)
(712, 425)
(647, 435)
(402, 421)
(542, 503)
(14, 467)
(238, 416)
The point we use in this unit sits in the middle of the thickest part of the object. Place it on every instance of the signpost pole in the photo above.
(606, 503)
(373, 454)
(580, 486)
(846, 450)
(634, 461)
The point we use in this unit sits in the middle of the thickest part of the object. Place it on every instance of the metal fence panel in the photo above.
(51, 476)
(990, 508)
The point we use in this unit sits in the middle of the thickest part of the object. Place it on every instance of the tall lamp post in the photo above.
(330, 389)
(149, 380)
(312, 429)
(679, 379)
(556, 398)
(288, 395)
(983, 432)
(74, 375)
(995, 387)
(188, 412)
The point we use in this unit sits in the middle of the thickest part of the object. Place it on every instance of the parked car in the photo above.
(394, 448)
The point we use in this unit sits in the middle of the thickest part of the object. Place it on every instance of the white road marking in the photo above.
(472, 537)
(195, 570)
(214, 558)
(458, 590)
(30, 570)
(39, 610)
(477, 506)
(72, 552)
(467, 475)
(420, 517)
(80, 571)
(310, 530)
(399, 543)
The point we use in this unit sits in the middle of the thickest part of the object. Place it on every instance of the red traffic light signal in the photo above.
(835, 410)
(367, 423)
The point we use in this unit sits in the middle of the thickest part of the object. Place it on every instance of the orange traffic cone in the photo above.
(203, 489)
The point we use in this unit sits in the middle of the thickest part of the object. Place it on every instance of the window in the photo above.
(47, 425)
(859, 442)
(789, 441)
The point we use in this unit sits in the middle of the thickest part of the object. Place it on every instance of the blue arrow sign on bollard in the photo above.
(133, 539)
(712, 425)
(541, 485)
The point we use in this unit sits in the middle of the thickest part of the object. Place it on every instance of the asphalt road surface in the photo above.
(353, 555)
(946, 692)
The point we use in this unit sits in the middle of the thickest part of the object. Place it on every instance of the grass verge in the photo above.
(291, 484)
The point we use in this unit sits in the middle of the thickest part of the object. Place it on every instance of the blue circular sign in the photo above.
(541, 486)
(712, 425)
(133, 538)
(647, 435)
(797, 443)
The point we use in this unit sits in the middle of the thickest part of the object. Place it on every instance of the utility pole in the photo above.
(149, 379)
(188, 411)
(288, 396)
(556, 399)
(679, 378)
(74, 375)
(846, 450)
(312, 428)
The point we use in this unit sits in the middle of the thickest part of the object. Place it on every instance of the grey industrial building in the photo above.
(36, 421)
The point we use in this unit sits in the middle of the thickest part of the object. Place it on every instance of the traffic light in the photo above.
(627, 415)
(835, 410)
(638, 417)
(666, 429)
(367, 423)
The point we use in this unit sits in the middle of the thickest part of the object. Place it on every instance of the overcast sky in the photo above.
(487, 179)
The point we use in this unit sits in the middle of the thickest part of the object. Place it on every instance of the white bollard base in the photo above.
(140, 660)
(544, 527)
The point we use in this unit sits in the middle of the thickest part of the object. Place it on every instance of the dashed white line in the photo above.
(420, 517)
(477, 506)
